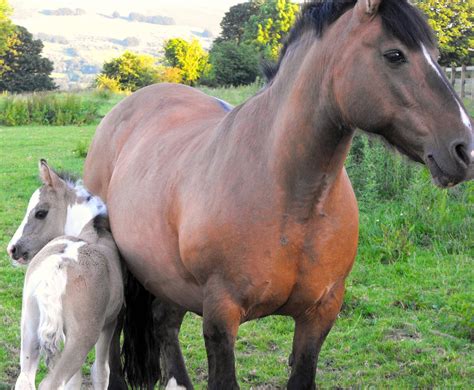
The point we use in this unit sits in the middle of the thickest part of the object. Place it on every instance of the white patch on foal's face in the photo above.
(34, 200)
(464, 117)
(82, 212)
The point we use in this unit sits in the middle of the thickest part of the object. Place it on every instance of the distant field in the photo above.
(408, 316)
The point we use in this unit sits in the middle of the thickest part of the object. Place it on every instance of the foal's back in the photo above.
(72, 275)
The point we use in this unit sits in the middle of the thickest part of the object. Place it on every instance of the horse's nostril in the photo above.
(13, 250)
(460, 153)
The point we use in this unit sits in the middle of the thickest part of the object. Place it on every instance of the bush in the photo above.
(131, 71)
(106, 83)
(233, 64)
(46, 109)
(168, 74)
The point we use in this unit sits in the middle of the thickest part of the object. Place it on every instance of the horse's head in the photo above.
(59, 207)
(387, 81)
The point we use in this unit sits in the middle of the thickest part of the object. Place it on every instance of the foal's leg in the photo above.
(78, 344)
(101, 368)
(167, 321)
(221, 320)
(29, 356)
(310, 332)
(75, 382)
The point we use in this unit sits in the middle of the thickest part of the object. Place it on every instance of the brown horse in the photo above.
(244, 213)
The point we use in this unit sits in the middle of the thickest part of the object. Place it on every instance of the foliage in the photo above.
(267, 29)
(24, 69)
(131, 71)
(168, 74)
(154, 19)
(64, 12)
(6, 26)
(453, 22)
(233, 64)
(190, 57)
(47, 109)
(234, 21)
(105, 83)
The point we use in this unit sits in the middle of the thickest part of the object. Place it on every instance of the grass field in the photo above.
(407, 319)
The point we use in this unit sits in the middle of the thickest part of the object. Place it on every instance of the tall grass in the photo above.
(47, 109)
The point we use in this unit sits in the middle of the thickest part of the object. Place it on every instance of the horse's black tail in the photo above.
(141, 350)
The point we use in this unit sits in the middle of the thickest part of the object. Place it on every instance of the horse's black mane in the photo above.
(399, 18)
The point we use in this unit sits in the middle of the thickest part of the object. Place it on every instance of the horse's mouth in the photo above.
(20, 262)
(441, 178)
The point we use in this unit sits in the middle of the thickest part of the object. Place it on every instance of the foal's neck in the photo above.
(309, 141)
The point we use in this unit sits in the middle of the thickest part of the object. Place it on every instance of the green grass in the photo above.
(407, 319)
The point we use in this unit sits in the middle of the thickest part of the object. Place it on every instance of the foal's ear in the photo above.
(48, 176)
(367, 9)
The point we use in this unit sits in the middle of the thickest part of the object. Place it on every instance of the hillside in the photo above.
(79, 40)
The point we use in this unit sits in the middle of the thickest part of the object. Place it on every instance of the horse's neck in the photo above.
(307, 138)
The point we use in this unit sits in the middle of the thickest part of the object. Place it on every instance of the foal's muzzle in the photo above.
(17, 253)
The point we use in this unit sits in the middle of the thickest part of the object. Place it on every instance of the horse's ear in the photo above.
(367, 9)
(48, 176)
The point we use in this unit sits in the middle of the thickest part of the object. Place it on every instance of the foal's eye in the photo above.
(395, 57)
(41, 214)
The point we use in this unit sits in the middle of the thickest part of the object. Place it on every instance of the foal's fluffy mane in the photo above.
(101, 221)
(399, 18)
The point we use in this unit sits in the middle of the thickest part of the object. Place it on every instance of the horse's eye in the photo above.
(395, 57)
(41, 214)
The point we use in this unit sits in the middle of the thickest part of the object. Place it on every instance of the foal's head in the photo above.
(59, 207)
(382, 73)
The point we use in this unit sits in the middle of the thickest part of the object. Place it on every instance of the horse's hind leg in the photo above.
(221, 320)
(311, 330)
(78, 344)
(29, 357)
(167, 322)
(101, 368)
(116, 377)
(75, 383)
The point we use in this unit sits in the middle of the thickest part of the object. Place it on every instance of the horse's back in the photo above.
(150, 113)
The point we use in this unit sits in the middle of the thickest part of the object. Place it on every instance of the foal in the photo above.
(73, 288)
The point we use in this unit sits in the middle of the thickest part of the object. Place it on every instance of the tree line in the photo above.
(22, 67)
(251, 32)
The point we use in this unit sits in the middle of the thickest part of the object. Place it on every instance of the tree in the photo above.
(453, 22)
(234, 21)
(6, 27)
(269, 26)
(23, 67)
(190, 57)
(233, 64)
(132, 71)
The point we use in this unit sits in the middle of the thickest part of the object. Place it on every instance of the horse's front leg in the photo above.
(167, 321)
(311, 329)
(221, 320)
(29, 355)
